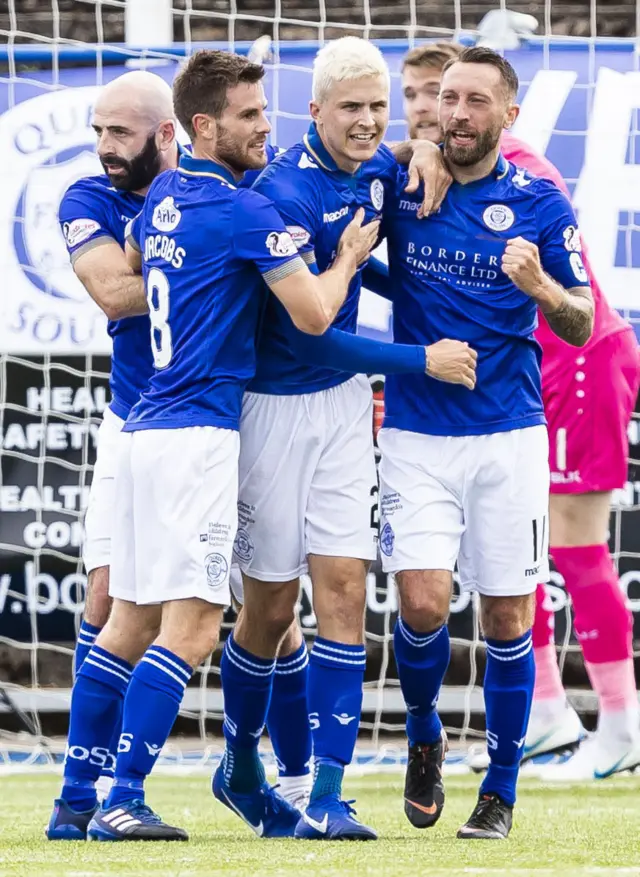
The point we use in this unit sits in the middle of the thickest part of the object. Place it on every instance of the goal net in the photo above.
(578, 66)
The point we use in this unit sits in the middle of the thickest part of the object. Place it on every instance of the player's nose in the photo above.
(264, 125)
(461, 112)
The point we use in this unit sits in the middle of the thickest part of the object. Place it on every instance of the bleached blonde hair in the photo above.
(348, 58)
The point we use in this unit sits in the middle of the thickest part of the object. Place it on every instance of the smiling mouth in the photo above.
(462, 138)
(362, 138)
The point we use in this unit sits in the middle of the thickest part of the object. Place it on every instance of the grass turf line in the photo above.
(568, 830)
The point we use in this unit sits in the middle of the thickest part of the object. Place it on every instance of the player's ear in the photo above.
(510, 116)
(314, 110)
(166, 134)
(204, 126)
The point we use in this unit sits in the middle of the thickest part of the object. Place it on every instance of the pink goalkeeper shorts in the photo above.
(589, 404)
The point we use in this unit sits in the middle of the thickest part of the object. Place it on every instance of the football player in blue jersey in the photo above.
(201, 240)
(465, 475)
(135, 128)
(308, 492)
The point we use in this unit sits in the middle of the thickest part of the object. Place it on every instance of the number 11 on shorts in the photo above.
(540, 538)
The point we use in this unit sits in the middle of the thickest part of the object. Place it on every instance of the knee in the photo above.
(424, 599)
(277, 619)
(130, 630)
(339, 597)
(346, 584)
(192, 638)
(270, 608)
(507, 618)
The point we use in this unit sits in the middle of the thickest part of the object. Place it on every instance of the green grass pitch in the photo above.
(571, 830)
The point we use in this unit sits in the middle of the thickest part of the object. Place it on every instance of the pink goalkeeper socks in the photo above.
(603, 624)
(548, 688)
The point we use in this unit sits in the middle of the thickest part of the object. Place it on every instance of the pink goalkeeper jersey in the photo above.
(557, 353)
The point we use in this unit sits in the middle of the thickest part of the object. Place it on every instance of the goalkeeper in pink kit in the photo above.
(589, 396)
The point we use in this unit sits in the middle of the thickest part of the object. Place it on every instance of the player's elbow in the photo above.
(313, 320)
(113, 309)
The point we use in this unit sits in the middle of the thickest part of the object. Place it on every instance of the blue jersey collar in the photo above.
(319, 152)
(203, 167)
(501, 168)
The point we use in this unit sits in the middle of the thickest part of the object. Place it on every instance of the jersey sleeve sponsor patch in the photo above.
(281, 244)
(299, 235)
(559, 244)
(166, 216)
(572, 240)
(79, 230)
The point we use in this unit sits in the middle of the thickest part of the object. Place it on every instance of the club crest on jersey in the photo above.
(166, 215)
(572, 240)
(377, 195)
(498, 217)
(79, 230)
(216, 568)
(280, 244)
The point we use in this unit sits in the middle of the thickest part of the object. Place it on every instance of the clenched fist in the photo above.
(453, 362)
(521, 264)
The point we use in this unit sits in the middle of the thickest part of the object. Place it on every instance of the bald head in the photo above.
(142, 94)
(135, 124)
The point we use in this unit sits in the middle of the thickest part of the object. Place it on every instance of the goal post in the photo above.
(580, 96)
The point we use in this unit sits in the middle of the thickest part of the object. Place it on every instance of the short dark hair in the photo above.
(201, 85)
(432, 55)
(483, 55)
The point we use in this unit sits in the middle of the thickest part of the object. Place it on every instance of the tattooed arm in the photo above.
(569, 313)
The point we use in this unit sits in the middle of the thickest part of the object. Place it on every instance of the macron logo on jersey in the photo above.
(409, 205)
(166, 215)
(337, 214)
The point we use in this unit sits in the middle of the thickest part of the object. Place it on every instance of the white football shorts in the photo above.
(481, 500)
(308, 480)
(98, 522)
(176, 495)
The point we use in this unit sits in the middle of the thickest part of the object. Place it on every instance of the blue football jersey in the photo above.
(207, 246)
(317, 201)
(447, 283)
(90, 212)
